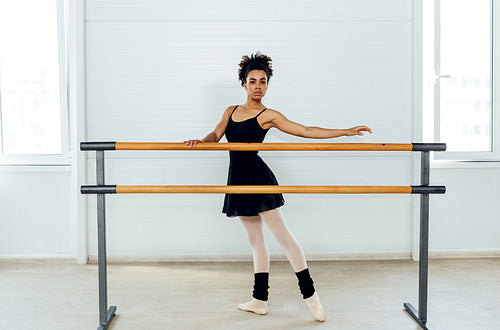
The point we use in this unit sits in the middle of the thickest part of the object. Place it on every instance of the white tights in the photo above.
(276, 224)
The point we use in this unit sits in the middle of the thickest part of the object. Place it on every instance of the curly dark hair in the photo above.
(257, 61)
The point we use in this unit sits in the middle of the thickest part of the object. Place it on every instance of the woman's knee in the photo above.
(256, 239)
(269, 212)
(276, 224)
(253, 226)
(286, 241)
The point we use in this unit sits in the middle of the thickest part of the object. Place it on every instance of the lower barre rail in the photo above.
(109, 189)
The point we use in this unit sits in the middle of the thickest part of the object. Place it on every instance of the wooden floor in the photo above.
(463, 294)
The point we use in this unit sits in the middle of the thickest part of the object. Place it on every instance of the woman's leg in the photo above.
(253, 227)
(276, 223)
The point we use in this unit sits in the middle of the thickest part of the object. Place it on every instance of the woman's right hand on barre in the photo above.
(192, 143)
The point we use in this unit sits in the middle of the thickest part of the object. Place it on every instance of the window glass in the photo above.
(465, 69)
(29, 77)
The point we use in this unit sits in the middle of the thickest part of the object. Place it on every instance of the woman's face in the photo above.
(256, 84)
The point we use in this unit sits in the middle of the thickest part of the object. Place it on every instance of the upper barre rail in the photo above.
(264, 146)
(112, 189)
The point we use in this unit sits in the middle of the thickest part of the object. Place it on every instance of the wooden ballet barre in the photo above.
(424, 189)
(112, 189)
(265, 146)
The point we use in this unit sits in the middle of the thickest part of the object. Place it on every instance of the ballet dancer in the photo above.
(249, 122)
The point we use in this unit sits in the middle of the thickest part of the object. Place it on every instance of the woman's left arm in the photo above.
(283, 124)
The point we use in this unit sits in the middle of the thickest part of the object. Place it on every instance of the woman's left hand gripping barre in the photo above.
(192, 143)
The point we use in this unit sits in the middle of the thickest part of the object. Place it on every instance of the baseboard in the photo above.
(433, 254)
(248, 258)
(437, 254)
(464, 254)
(38, 257)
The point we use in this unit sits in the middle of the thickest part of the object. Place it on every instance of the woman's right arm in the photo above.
(216, 134)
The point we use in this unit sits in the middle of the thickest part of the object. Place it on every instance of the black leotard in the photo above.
(247, 168)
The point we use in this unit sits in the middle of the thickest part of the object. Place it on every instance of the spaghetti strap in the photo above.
(261, 112)
(234, 110)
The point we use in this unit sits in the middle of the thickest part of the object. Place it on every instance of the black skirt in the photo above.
(249, 169)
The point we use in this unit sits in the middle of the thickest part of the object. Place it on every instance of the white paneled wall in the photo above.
(160, 70)
(176, 78)
(165, 71)
(244, 11)
(467, 218)
(35, 212)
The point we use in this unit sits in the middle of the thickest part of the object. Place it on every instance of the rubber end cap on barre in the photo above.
(85, 146)
(429, 146)
(98, 189)
(428, 189)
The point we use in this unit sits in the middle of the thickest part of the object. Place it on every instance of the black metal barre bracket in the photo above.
(429, 146)
(104, 189)
(420, 190)
(89, 146)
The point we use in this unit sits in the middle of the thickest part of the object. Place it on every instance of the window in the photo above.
(459, 49)
(33, 109)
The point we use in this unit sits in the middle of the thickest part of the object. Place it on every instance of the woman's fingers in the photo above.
(360, 129)
(367, 129)
(192, 143)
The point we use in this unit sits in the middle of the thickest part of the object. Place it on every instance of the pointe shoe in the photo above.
(315, 307)
(254, 306)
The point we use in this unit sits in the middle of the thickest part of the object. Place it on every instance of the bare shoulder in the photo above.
(271, 114)
(230, 108)
(228, 111)
(221, 126)
(269, 117)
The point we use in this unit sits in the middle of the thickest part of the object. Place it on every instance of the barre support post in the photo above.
(105, 315)
(423, 265)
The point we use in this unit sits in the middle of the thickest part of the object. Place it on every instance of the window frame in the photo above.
(494, 153)
(64, 157)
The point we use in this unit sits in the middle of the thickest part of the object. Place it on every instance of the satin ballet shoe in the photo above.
(255, 306)
(315, 307)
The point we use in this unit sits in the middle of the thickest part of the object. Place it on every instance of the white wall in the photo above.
(465, 221)
(165, 71)
(35, 211)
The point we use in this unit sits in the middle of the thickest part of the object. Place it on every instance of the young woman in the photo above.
(250, 122)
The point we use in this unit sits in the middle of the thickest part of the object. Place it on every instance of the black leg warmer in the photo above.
(261, 286)
(305, 283)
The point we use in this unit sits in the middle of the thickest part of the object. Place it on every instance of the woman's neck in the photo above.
(253, 104)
